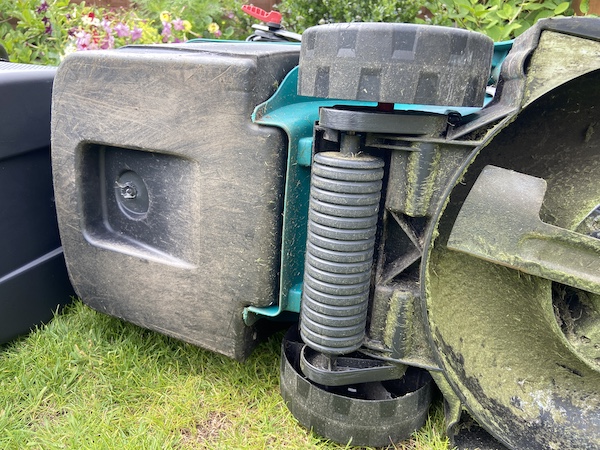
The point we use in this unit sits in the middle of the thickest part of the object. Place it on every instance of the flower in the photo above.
(187, 26)
(122, 30)
(90, 19)
(213, 28)
(106, 25)
(83, 41)
(178, 24)
(108, 42)
(69, 48)
(47, 25)
(166, 32)
(42, 8)
(165, 16)
(136, 34)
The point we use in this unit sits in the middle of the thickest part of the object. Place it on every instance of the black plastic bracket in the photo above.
(344, 370)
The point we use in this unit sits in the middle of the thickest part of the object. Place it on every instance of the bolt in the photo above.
(128, 190)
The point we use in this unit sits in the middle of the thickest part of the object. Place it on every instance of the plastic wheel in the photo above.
(395, 63)
(369, 414)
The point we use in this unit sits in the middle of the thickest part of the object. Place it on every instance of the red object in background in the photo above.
(261, 14)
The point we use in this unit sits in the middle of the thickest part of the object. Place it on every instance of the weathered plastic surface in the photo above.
(514, 331)
(169, 198)
(33, 276)
(395, 63)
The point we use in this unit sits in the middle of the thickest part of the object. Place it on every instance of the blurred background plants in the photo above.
(301, 14)
(499, 19)
(44, 31)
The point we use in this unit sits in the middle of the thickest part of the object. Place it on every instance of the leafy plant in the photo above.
(44, 31)
(234, 22)
(301, 14)
(199, 13)
(220, 20)
(499, 19)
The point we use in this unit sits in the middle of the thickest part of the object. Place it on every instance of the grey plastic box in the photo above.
(169, 197)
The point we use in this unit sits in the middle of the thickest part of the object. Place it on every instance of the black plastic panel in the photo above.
(33, 276)
(170, 198)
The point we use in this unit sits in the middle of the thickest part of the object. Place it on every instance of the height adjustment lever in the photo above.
(272, 31)
(272, 17)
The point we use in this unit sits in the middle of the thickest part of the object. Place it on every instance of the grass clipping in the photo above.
(87, 380)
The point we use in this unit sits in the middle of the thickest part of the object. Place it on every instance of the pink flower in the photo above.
(166, 32)
(83, 40)
(218, 33)
(106, 25)
(122, 30)
(178, 24)
(108, 42)
(136, 33)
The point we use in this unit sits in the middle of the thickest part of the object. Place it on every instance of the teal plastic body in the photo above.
(296, 115)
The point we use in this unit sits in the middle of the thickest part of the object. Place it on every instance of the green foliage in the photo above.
(301, 14)
(499, 19)
(233, 17)
(584, 6)
(199, 13)
(222, 20)
(26, 36)
(44, 31)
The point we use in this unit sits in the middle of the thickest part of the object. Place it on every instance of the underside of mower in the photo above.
(412, 236)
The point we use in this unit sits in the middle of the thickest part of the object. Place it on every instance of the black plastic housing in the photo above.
(170, 198)
(33, 276)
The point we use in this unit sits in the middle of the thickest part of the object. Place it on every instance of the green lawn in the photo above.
(91, 381)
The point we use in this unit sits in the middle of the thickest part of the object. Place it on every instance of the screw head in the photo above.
(131, 195)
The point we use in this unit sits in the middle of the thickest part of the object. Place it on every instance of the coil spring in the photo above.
(342, 223)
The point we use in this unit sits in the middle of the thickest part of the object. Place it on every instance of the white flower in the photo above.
(71, 47)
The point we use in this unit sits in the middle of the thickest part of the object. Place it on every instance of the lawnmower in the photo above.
(420, 205)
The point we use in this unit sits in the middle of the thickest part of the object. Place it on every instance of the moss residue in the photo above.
(558, 58)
